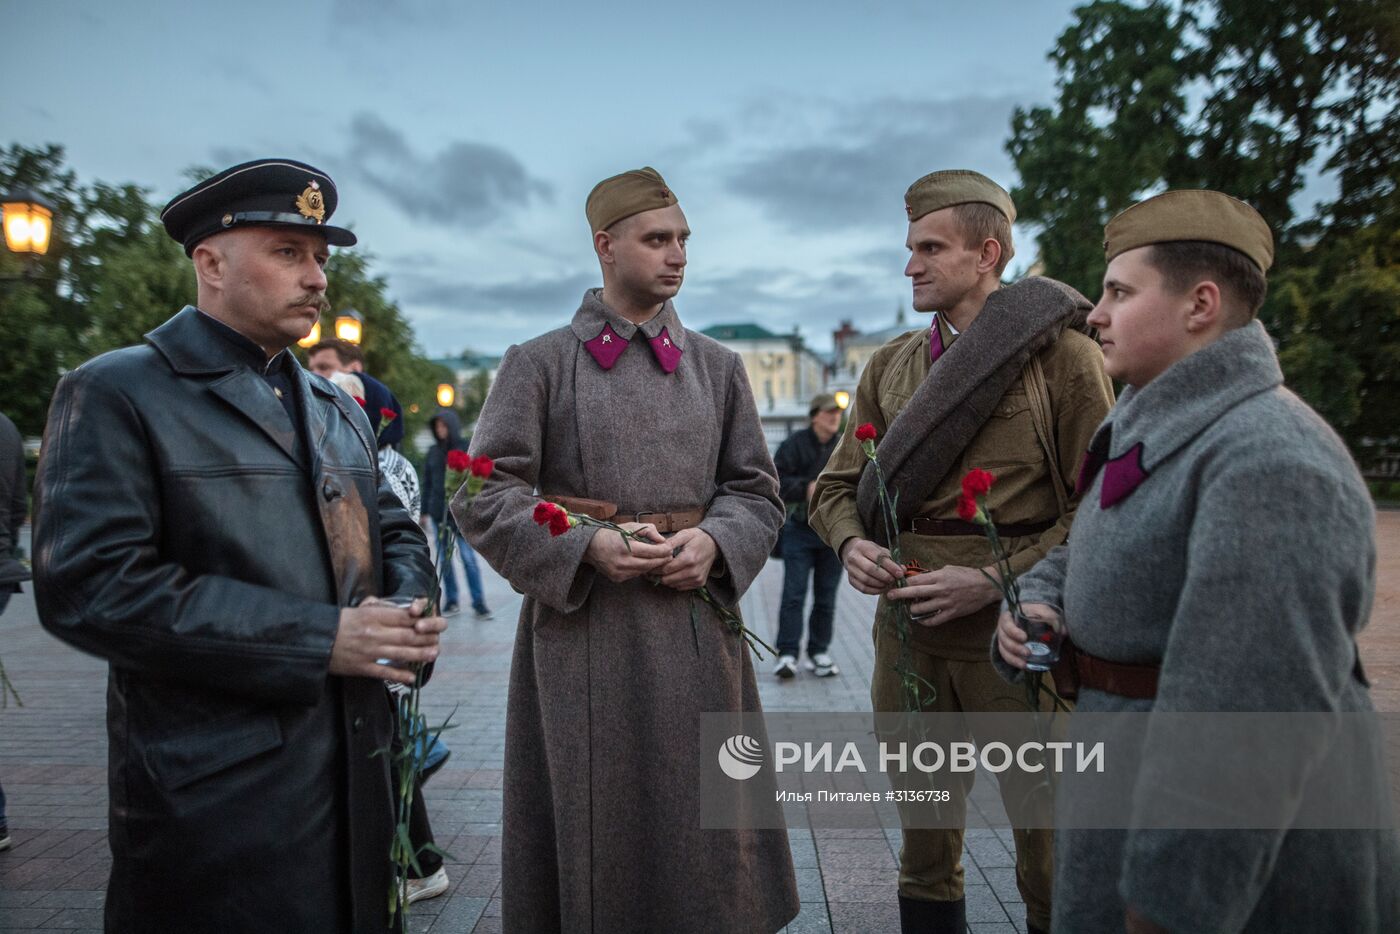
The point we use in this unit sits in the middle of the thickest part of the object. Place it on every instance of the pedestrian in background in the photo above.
(447, 436)
(14, 505)
(799, 460)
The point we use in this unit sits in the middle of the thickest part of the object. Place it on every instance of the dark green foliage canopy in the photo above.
(1253, 99)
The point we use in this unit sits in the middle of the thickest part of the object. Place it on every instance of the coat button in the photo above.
(330, 491)
(358, 724)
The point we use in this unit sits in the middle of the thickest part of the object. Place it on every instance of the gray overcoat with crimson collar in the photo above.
(1225, 535)
(601, 813)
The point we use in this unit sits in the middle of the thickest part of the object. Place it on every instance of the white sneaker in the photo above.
(821, 665)
(431, 887)
(786, 667)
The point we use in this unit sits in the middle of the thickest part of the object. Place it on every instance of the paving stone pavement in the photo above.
(53, 768)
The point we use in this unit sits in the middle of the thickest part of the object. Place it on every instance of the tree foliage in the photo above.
(1254, 99)
(112, 274)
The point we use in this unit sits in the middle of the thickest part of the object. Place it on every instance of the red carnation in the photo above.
(482, 466)
(865, 432)
(543, 512)
(459, 461)
(967, 508)
(360, 399)
(388, 414)
(977, 482)
(559, 522)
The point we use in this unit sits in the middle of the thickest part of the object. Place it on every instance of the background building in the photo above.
(783, 372)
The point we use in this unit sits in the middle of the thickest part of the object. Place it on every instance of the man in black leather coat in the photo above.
(210, 518)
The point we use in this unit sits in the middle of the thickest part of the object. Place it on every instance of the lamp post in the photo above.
(350, 326)
(446, 395)
(28, 223)
(27, 220)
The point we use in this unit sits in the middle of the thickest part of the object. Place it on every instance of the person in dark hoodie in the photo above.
(447, 436)
(14, 505)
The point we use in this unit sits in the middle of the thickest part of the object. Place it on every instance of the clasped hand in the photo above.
(934, 596)
(682, 562)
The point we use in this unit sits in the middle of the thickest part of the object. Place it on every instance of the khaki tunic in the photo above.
(1007, 445)
(601, 815)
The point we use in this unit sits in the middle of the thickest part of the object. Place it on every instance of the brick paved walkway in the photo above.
(53, 767)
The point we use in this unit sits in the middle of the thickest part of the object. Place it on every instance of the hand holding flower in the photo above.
(1012, 638)
(869, 567)
(946, 594)
(620, 560)
(694, 554)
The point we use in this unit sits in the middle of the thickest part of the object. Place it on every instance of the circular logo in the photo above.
(741, 757)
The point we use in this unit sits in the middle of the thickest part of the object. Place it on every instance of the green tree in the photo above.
(39, 317)
(1252, 99)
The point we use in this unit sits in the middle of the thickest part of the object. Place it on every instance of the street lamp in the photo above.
(843, 398)
(349, 326)
(28, 223)
(313, 338)
(446, 395)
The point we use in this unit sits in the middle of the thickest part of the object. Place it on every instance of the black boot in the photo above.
(920, 917)
(1035, 929)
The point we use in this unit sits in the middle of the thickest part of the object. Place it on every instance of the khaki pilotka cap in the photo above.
(939, 190)
(1191, 214)
(614, 199)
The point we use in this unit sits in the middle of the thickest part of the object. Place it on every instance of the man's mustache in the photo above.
(313, 298)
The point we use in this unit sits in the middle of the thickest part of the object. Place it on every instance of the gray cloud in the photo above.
(527, 296)
(853, 168)
(780, 299)
(453, 314)
(464, 185)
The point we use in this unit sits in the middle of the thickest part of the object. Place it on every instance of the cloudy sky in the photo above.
(464, 136)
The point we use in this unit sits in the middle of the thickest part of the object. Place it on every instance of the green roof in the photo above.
(740, 332)
(470, 358)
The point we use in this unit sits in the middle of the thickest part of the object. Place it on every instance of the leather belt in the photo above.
(673, 520)
(1138, 682)
(927, 525)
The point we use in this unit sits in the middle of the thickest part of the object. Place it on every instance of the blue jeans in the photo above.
(807, 556)
(4, 602)
(464, 551)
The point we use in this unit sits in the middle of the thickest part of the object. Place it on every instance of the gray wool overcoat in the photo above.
(601, 808)
(1228, 538)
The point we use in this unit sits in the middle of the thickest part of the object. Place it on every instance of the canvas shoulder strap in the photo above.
(1042, 416)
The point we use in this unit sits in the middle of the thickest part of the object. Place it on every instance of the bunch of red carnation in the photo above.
(462, 462)
(555, 517)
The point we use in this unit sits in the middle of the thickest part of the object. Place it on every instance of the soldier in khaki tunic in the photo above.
(1003, 380)
(626, 411)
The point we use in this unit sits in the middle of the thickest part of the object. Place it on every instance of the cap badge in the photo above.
(909, 210)
(311, 203)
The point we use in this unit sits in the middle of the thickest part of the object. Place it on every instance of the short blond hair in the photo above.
(981, 222)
